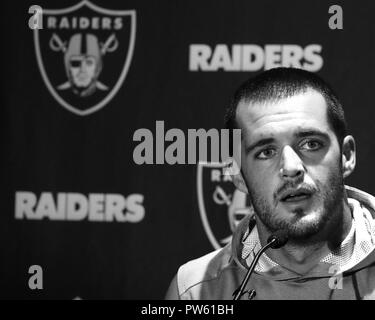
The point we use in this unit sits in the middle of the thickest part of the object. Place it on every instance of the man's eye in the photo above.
(266, 154)
(75, 63)
(311, 145)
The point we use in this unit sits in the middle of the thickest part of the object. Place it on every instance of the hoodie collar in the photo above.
(356, 247)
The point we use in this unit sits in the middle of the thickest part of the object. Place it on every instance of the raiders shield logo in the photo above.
(84, 53)
(221, 205)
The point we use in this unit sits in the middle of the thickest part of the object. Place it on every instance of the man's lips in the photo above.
(296, 198)
(295, 195)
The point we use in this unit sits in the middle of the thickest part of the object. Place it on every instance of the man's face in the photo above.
(291, 163)
(82, 69)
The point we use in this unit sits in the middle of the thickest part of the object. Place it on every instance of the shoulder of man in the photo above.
(203, 269)
(363, 197)
(202, 272)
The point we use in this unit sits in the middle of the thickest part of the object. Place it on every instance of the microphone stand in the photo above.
(239, 292)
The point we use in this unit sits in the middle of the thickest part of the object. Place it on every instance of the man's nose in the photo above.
(291, 165)
(83, 66)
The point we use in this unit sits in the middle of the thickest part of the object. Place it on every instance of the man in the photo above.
(295, 154)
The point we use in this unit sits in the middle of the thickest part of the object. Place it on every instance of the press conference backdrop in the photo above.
(74, 204)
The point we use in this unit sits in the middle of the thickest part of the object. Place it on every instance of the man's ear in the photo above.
(348, 156)
(239, 182)
(232, 169)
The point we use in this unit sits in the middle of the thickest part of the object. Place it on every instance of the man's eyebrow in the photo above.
(259, 143)
(311, 132)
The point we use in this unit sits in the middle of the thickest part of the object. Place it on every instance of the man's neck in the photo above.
(302, 256)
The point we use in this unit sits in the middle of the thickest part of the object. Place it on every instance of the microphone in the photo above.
(275, 241)
(278, 239)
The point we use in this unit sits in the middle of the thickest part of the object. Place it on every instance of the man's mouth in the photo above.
(296, 195)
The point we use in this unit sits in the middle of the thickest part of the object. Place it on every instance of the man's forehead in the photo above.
(308, 107)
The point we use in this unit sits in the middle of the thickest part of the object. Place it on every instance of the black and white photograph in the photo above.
(156, 151)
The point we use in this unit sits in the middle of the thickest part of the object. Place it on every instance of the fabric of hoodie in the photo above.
(342, 275)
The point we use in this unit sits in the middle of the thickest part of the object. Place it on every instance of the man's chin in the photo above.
(305, 226)
(300, 223)
(82, 85)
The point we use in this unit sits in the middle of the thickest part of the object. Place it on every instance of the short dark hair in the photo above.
(281, 83)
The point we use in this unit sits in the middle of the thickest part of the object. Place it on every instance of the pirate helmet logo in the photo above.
(221, 205)
(83, 61)
(75, 45)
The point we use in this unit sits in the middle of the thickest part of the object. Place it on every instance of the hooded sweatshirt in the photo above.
(347, 273)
